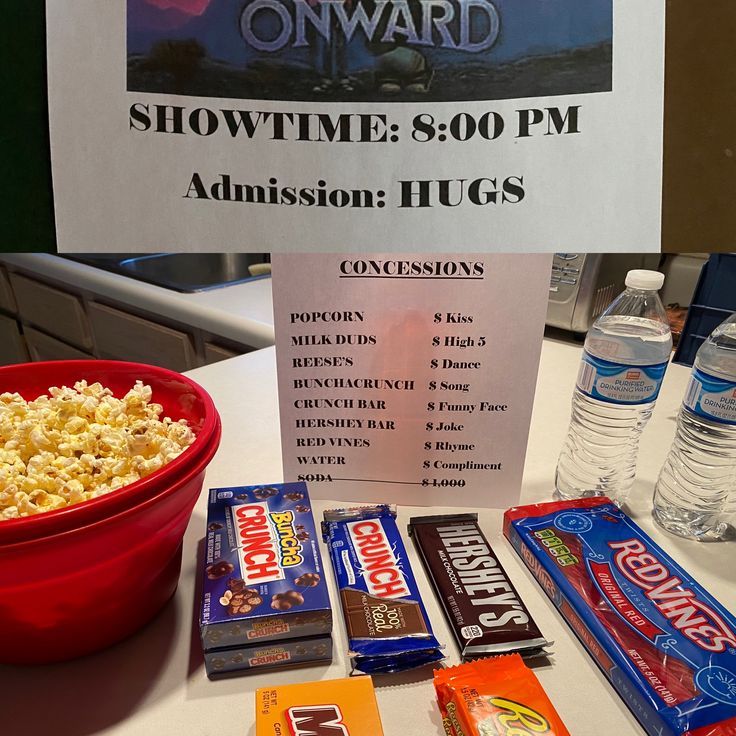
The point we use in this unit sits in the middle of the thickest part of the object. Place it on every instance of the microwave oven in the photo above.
(582, 285)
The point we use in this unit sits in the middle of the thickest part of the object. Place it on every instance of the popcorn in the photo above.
(79, 443)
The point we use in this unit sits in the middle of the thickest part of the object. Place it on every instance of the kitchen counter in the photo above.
(154, 683)
(241, 312)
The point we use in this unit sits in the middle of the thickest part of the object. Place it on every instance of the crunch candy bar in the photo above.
(387, 624)
(665, 644)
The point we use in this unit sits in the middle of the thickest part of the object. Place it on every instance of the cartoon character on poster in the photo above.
(370, 50)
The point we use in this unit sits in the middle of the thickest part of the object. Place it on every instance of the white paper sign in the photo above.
(408, 379)
(346, 125)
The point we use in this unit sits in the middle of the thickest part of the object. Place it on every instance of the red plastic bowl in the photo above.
(78, 579)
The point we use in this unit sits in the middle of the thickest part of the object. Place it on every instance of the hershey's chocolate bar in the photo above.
(481, 604)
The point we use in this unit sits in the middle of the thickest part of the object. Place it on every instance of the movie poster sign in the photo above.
(370, 50)
(317, 125)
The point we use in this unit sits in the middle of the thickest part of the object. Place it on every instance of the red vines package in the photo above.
(666, 645)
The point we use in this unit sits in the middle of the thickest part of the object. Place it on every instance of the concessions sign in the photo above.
(219, 125)
(408, 378)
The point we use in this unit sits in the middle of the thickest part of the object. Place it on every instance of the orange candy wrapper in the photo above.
(499, 696)
(344, 707)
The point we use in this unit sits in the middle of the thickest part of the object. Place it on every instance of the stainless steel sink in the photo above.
(186, 272)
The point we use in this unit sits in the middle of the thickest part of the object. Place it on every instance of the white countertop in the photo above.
(241, 312)
(154, 683)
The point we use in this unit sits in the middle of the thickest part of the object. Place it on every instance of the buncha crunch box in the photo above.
(268, 655)
(263, 577)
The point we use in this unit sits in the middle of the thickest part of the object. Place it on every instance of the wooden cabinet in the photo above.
(214, 353)
(51, 310)
(45, 347)
(7, 300)
(42, 320)
(12, 345)
(124, 336)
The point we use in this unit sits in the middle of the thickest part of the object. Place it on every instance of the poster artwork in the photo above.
(370, 50)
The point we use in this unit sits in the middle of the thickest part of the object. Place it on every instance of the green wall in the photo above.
(26, 205)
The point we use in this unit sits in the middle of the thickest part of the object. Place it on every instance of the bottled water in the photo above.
(625, 357)
(693, 487)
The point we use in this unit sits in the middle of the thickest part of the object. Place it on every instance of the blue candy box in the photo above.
(263, 578)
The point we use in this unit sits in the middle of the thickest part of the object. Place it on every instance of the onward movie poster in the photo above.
(370, 50)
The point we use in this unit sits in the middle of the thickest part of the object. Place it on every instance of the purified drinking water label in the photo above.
(619, 383)
(711, 397)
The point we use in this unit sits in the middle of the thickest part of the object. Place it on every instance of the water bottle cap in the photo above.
(640, 278)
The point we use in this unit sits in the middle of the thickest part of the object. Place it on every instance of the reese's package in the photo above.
(499, 696)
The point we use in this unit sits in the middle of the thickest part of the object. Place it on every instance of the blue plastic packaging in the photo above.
(666, 645)
(713, 302)
(388, 626)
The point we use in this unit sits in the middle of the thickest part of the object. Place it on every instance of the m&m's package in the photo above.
(499, 696)
(344, 707)
(666, 645)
